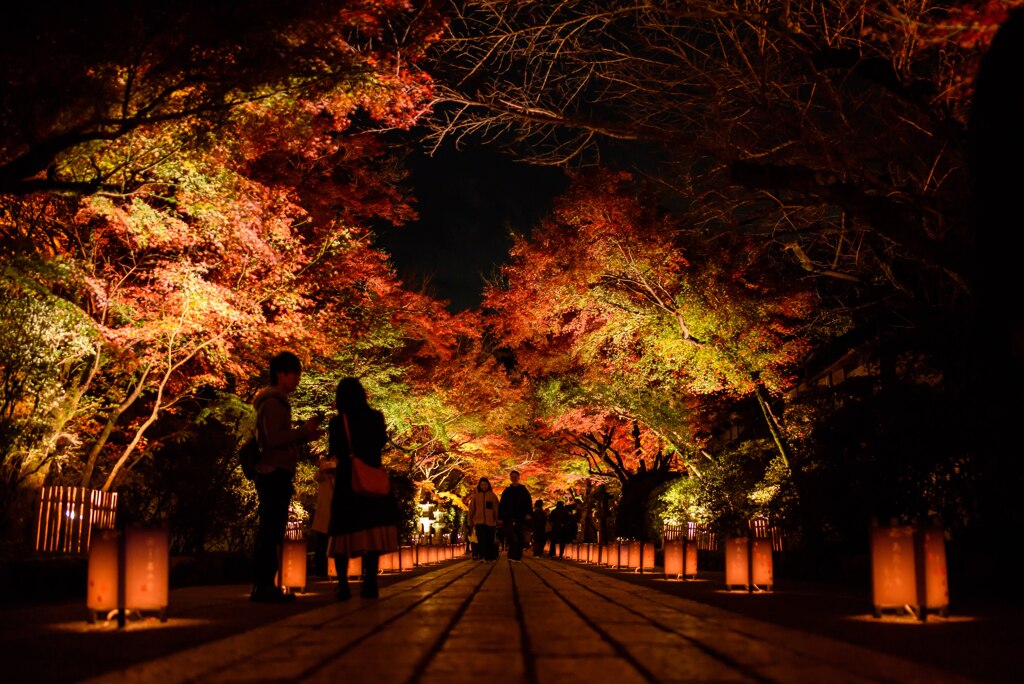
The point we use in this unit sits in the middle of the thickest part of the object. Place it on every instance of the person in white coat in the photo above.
(483, 516)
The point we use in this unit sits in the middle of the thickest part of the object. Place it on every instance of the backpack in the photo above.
(249, 453)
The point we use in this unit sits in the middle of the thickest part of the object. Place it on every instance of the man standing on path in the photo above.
(279, 454)
(514, 512)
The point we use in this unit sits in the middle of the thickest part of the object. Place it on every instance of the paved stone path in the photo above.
(535, 622)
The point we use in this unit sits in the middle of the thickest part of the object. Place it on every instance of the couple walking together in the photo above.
(511, 512)
(358, 525)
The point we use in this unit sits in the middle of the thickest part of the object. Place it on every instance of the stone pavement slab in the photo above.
(533, 622)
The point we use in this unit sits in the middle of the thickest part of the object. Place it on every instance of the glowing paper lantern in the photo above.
(680, 558)
(743, 556)
(895, 553)
(355, 567)
(102, 588)
(609, 555)
(633, 555)
(389, 562)
(292, 573)
(146, 565)
(406, 558)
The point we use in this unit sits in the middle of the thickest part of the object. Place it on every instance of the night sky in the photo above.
(470, 203)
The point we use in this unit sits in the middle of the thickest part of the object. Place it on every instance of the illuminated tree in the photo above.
(831, 133)
(160, 183)
(628, 297)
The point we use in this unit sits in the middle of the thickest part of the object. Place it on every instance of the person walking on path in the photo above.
(514, 512)
(483, 516)
(558, 520)
(321, 526)
(279, 443)
(539, 525)
(361, 525)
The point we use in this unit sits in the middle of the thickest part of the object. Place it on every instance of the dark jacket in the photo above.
(515, 503)
(279, 439)
(351, 512)
(539, 521)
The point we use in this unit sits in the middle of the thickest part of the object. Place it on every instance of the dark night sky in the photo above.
(468, 203)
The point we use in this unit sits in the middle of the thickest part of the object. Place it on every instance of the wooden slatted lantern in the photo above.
(68, 515)
(146, 571)
(292, 568)
(896, 552)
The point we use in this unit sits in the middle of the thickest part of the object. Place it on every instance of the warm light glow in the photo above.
(407, 558)
(611, 555)
(146, 571)
(680, 559)
(292, 574)
(101, 595)
(68, 515)
(738, 564)
(894, 569)
(135, 622)
(355, 567)
(389, 562)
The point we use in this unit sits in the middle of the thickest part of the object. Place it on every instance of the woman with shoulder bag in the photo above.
(362, 523)
(483, 516)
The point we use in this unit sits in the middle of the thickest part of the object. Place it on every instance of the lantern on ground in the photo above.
(142, 579)
(389, 562)
(674, 558)
(633, 555)
(406, 558)
(292, 567)
(748, 563)
(897, 555)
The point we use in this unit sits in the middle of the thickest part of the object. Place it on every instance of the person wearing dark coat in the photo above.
(360, 525)
(514, 511)
(558, 536)
(538, 525)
